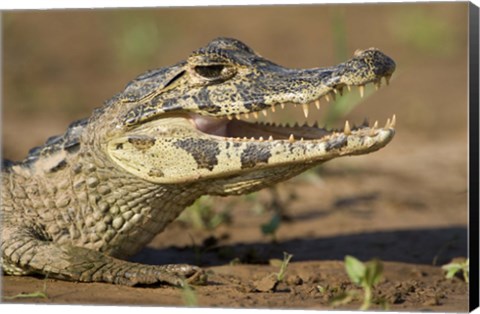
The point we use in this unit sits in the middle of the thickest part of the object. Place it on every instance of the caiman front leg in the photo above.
(23, 253)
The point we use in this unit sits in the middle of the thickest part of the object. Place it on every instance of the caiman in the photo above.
(76, 207)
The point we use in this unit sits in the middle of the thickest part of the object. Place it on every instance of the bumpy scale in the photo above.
(84, 201)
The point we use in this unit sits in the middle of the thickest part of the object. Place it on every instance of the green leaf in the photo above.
(452, 269)
(271, 227)
(457, 265)
(37, 294)
(451, 272)
(355, 269)
(373, 272)
(189, 296)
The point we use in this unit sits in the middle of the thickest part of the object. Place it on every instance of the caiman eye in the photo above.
(210, 71)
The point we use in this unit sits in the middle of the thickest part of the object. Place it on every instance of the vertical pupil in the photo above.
(209, 71)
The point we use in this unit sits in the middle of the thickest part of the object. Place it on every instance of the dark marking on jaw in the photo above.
(141, 142)
(203, 101)
(255, 154)
(336, 143)
(155, 172)
(205, 152)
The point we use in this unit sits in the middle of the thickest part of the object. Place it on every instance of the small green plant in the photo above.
(455, 266)
(283, 266)
(365, 275)
(36, 294)
(271, 281)
(202, 214)
(270, 228)
(189, 296)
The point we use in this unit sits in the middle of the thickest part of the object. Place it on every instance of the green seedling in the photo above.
(270, 282)
(454, 267)
(202, 214)
(283, 267)
(35, 294)
(189, 296)
(365, 275)
(270, 228)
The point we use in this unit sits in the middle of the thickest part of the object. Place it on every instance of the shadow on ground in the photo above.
(435, 246)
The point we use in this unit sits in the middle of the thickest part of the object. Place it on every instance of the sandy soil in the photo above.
(405, 205)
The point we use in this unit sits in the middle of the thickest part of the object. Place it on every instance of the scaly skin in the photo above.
(78, 205)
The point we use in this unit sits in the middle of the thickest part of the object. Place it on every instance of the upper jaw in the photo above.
(254, 88)
(236, 127)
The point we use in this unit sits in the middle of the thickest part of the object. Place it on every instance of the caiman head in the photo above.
(188, 123)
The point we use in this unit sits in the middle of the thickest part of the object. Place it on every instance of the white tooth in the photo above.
(238, 116)
(252, 139)
(229, 117)
(261, 139)
(273, 108)
(264, 112)
(361, 89)
(245, 138)
(327, 97)
(246, 115)
(349, 88)
(335, 90)
(347, 129)
(305, 110)
(340, 90)
(255, 114)
(291, 139)
(387, 125)
(394, 121)
(317, 104)
(282, 105)
(378, 84)
(270, 138)
(301, 139)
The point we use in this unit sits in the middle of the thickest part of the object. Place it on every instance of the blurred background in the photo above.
(60, 64)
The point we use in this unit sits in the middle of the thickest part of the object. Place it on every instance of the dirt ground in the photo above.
(405, 205)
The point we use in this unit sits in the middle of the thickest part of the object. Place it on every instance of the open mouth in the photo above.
(256, 127)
